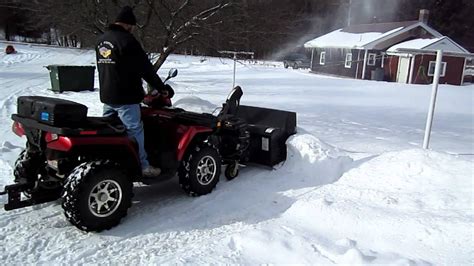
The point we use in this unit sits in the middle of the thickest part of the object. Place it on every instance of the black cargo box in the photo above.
(51, 111)
(269, 129)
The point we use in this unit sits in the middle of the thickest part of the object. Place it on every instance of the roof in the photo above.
(443, 43)
(378, 27)
(366, 36)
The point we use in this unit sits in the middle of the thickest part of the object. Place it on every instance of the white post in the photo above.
(235, 63)
(312, 58)
(463, 71)
(365, 63)
(357, 68)
(235, 53)
(412, 66)
(434, 92)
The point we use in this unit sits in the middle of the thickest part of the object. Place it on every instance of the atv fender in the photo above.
(188, 136)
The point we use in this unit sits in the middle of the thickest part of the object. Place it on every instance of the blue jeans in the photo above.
(131, 118)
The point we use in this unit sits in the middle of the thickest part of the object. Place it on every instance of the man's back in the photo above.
(120, 65)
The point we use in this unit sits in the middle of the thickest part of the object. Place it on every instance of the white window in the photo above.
(431, 68)
(348, 63)
(371, 61)
(322, 58)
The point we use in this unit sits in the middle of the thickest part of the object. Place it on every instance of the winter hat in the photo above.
(126, 16)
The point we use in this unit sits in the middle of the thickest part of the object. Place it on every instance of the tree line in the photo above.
(204, 27)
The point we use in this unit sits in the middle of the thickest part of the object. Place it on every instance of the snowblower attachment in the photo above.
(269, 129)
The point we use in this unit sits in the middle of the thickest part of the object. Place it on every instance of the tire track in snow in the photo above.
(8, 107)
(18, 58)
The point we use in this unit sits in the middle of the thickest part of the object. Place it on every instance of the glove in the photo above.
(159, 99)
(148, 100)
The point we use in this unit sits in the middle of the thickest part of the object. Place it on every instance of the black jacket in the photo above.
(122, 64)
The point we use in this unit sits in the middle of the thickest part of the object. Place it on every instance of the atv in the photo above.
(90, 165)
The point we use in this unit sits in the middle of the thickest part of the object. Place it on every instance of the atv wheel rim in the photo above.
(105, 198)
(206, 170)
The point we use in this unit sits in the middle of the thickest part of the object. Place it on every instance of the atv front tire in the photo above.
(97, 195)
(200, 170)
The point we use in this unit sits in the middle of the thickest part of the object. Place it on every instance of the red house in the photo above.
(398, 51)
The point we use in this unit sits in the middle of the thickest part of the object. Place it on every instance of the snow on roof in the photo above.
(341, 39)
(444, 43)
(366, 36)
(414, 44)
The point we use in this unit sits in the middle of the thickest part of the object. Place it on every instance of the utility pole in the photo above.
(349, 13)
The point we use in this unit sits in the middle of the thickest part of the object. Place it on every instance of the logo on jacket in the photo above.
(105, 52)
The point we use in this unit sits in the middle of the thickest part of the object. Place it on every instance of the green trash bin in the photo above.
(71, 78)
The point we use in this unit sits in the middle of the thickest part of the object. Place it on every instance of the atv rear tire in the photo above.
(28, 170)
(200, 170)
(97, 195)
(27, 167)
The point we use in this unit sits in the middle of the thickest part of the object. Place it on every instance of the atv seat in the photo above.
(104, 125)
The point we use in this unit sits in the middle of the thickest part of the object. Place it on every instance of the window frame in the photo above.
(444, 65)
(348, 63)
(322, 58)
(369, 62)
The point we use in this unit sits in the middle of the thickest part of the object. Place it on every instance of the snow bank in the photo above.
(309, 157)
(195, 104)
(414, 197)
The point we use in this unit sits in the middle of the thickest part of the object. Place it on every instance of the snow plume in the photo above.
(292, 47)
(319, 25)
(357, 11)
(369, 11)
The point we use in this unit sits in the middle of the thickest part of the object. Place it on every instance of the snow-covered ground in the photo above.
(356, 187)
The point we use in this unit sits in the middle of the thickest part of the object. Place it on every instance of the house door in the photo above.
(403, 66)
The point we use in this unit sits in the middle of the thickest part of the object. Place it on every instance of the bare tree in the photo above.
(163, 25)
(177, 22)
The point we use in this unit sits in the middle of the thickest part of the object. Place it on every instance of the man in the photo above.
(122, 64)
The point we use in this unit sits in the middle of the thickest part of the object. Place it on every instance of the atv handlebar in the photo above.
(156, 99)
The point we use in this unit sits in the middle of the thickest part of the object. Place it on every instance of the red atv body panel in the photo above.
(166, 139)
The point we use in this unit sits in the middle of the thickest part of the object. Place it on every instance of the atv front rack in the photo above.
(14, 197)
